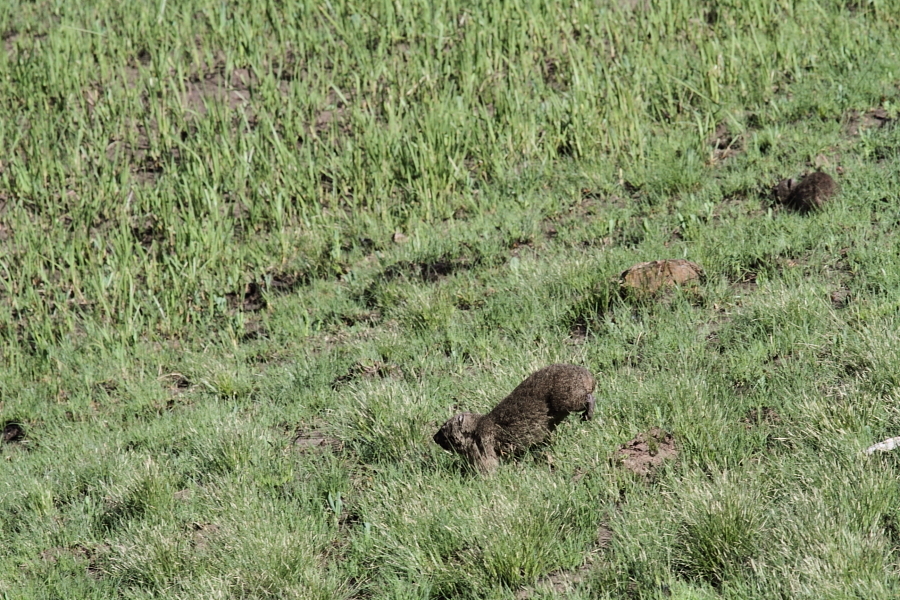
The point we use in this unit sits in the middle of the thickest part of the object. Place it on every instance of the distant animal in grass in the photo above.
(810, 193)
(524, 418)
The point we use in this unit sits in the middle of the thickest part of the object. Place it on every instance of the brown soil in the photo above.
(647, 451)
(367, 371)
(648, 278)
(429, 271)
(577, 334)
(724, 144)
(88, 555)
(764, 415)
(175, 382)
(563, 581)
(233, 92)
(872, 119)
(315, 440)
(249, 299)
(559, 583)
(841, 297)
(202, 533)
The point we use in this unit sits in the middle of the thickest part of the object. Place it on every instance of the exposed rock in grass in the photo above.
(648, 278)
(885, 446)
(647, 451)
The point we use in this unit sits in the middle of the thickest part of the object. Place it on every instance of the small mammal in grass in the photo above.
(522, 419)
(810, 193)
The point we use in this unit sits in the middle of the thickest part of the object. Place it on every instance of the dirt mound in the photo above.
(647, 451)
(648, 278)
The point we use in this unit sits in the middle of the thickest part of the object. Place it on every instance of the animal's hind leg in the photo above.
(590, 403)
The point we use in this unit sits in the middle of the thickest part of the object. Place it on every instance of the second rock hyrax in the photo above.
(522, 419)
(809, 194)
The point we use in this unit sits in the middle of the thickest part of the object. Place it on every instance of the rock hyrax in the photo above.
(810, 193)
(525, 417)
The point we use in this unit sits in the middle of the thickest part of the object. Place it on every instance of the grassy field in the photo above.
(253, 254)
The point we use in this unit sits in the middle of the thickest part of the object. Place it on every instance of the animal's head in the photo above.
(456, 434)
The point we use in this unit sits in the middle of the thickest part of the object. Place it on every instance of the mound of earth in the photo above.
(647, 451)
(647, 278)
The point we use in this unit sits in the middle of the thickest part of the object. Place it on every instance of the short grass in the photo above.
(227, 228)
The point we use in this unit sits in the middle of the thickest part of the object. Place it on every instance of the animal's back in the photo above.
(537, 405)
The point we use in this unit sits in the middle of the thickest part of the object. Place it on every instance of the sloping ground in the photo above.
(251, 257)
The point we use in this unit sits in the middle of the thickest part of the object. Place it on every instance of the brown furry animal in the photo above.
(810, 193)
(525, 417)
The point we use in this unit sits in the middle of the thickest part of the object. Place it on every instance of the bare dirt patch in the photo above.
(429, 271)
(724, 144)
(647, 451)
(840, 297)
(286, 281)
(764, 415)
(368, 370)
(249, 299)
(143, 152)
(648, 278)
(578, 333)
(175, 384)
(88, 555)
(202, 534)
(315, 440)
(562, 582)
(558, 583)
(871, 119)
(232, 91)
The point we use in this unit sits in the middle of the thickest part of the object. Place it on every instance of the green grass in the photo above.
(200, 205)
